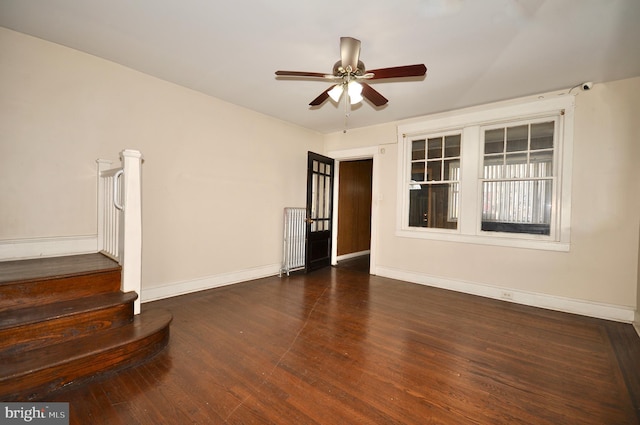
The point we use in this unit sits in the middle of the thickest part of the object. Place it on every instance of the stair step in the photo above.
(25, 283)
(33, 327)
(34, 374)
(51, 267)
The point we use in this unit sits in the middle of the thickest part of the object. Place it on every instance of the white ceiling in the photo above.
(475, 51)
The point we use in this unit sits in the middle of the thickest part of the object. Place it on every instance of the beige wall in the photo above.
(215, 176)
(602, 265)
(361, 137)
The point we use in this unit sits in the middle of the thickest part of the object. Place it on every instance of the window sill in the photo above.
(510, 242)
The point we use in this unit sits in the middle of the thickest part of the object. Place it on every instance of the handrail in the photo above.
(116, 189)
(109, 173)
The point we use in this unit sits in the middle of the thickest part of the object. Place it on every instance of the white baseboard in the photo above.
(209, 282)
(352, 255)
(18, 249)
(550, 302)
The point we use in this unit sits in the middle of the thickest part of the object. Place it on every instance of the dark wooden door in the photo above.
(354, 206)
(319, 211)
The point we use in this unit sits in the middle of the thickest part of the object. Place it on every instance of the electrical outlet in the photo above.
(506, 295)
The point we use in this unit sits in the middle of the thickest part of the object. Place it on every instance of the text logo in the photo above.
(34, 413)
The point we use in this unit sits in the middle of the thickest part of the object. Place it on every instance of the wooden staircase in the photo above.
(64, 320)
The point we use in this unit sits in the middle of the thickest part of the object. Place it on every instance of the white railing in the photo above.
(120, 217)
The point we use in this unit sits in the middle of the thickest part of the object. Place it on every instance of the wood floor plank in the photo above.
(338, 346)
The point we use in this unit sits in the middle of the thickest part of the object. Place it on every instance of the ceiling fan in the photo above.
(350, 76)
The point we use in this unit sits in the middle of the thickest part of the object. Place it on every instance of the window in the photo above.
(496, 175)
(435, 169)
(517, 180)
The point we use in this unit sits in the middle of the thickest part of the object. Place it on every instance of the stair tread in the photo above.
(143, 325)
(34, 314)
(54, 267)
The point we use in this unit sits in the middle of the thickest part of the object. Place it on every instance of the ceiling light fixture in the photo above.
(354, 90)
(336, 92)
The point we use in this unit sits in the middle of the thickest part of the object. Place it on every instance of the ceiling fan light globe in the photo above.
(355, 99)
(336, 92)
(355, 92)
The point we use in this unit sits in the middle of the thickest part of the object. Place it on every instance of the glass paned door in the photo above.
(319, 211)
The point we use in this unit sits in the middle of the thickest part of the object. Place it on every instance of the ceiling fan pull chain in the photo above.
(346, 110)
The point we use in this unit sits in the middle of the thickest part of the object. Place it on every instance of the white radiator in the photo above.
(293, 256)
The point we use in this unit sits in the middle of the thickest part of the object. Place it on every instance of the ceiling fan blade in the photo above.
(322, 97)
(300, 74)
(398, 72)
(373, 95)
(349, 53)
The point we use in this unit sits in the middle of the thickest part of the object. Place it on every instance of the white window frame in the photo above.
(471, 123)
(435, 182)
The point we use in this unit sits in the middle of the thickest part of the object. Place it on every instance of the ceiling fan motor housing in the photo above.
(339, 71)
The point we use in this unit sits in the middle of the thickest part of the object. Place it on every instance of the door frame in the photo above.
(372, 153)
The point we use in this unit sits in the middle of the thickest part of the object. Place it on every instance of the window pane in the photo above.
(452, 146)
(315, 165)
(417, 171)
(314, 194)
(452, 169)
(542, 136)
(493, 167)
(320, 197)
(327, 198)
(431, 206)
(435, 148)
(417, 150)
(517, 138)
(541, 164)
(522, 206)
(515, 166)
(494, 141)
(434, 170)
(516, 158)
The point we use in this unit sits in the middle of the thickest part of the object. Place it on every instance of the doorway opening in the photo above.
(355, 207)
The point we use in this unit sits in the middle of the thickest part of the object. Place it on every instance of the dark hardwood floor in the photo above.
(338, 346)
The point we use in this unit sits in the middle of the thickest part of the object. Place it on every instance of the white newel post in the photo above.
(131, 229)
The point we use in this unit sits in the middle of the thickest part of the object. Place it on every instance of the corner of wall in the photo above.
(209, 282)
